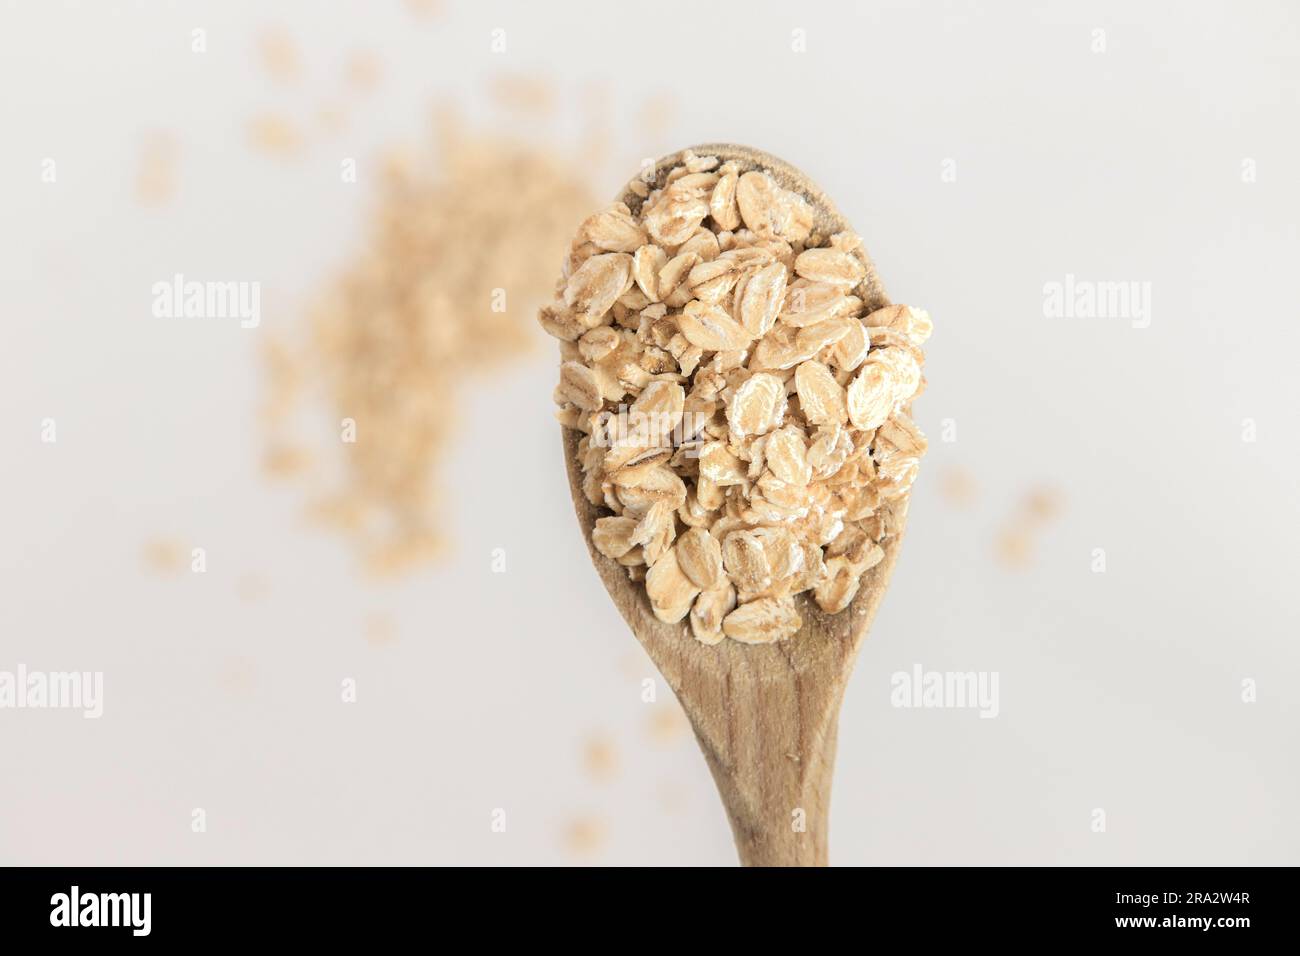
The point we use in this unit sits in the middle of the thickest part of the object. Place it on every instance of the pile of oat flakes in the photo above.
(420, 310)
(743, 421)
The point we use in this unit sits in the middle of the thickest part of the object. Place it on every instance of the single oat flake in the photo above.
(744, 415)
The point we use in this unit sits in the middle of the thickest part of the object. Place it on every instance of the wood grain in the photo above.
(765, 716)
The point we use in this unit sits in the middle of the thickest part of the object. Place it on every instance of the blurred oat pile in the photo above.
(460, 251)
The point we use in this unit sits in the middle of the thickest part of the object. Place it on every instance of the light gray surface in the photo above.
(1119, 691)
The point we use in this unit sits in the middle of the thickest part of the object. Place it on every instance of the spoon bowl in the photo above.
(765, 715)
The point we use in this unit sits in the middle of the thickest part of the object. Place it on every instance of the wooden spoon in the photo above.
(765, 715)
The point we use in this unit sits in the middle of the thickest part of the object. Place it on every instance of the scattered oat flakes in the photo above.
(774, 451)
(380, 630)
(279, 55)
(283, 460)
(165, 555)
(1043, 504)
(523, 94)
(667, 723)
(586, 835)
(274, 135)
(424, 8)
(1016, 542)
(155, 182)
(332, 119)
(452, 266)
(1015, 547)
(958, 486)
(600, 758)
(363, 71)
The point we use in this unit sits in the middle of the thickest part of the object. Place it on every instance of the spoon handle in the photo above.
(772, 759)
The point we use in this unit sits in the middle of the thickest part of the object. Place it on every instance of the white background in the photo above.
(1119, 691)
